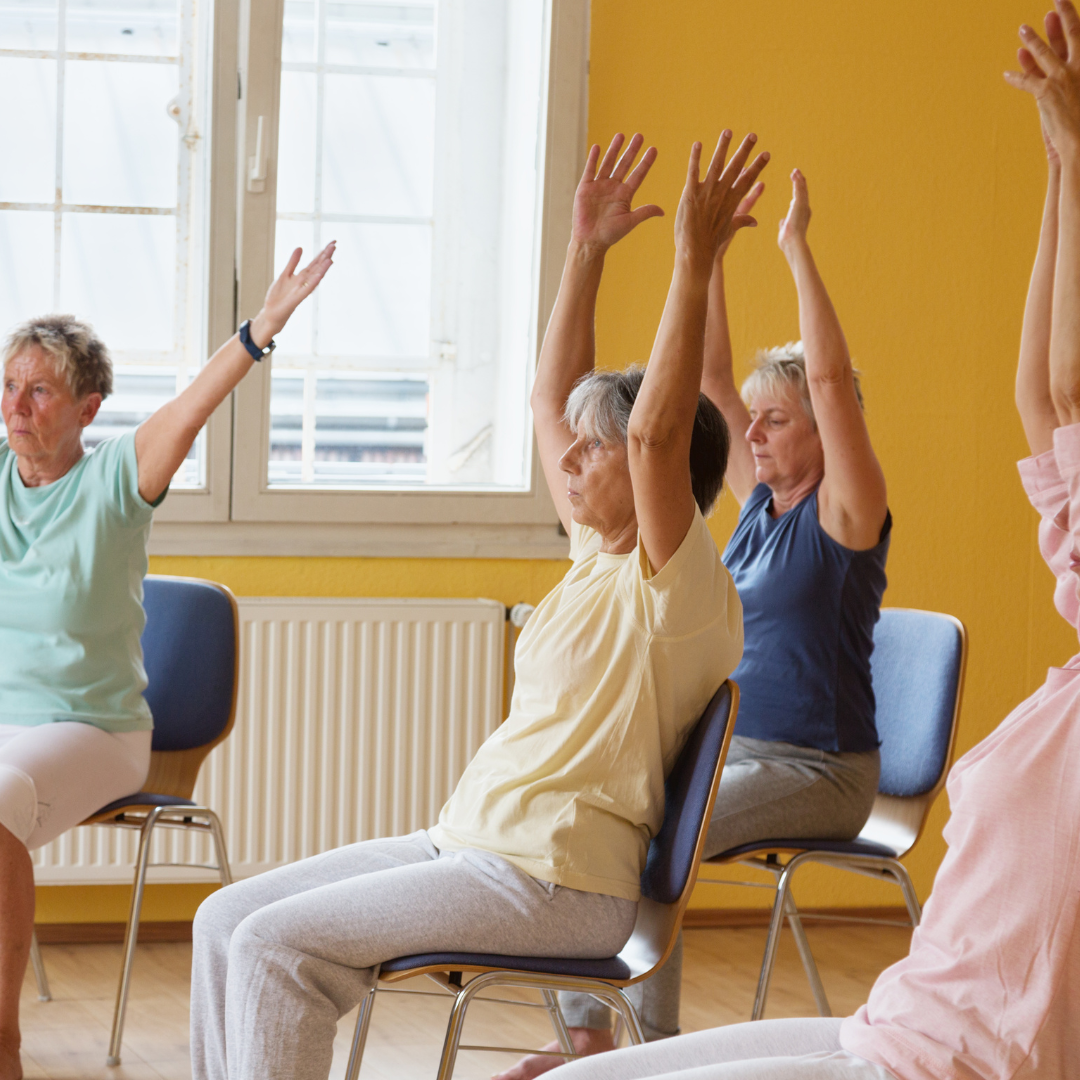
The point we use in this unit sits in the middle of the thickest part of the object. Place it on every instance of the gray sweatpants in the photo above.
(801, 1049)
(278, 959)
(768, 790)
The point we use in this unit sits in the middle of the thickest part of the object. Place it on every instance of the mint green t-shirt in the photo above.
(72, 562)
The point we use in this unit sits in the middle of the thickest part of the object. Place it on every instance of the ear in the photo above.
(88, 410)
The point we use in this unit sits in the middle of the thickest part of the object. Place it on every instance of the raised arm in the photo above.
(163, 441)
(852, 501)
(1055, 83)
(602, 217)
(662, 420)
(1033, 400)
(718, 375)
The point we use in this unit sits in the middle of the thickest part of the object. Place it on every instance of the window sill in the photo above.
(373, 540)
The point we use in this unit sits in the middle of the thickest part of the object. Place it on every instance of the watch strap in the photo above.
(253, 349)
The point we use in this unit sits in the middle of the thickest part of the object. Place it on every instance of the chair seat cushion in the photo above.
(144, 798)
(835, 847)
(614, 968)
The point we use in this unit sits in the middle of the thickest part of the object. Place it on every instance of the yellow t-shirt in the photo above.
(613, 670)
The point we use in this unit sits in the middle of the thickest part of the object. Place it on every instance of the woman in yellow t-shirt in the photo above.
(540, 849)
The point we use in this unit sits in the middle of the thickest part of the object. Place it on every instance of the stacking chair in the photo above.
(191, 652)
(918, 672)
(666, 884)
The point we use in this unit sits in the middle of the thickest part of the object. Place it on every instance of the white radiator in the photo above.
(355, 719)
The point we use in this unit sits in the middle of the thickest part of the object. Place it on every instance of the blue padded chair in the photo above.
(666, 884)
(191, 652)
(918, 672)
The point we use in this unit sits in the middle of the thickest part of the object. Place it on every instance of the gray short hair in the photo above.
(783, 369)
(77, 354)
(608, 397)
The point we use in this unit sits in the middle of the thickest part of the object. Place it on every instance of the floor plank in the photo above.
(68, 1037)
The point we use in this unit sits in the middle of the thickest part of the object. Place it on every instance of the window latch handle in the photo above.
(256, 179)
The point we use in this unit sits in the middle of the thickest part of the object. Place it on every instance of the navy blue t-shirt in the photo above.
(809, 609)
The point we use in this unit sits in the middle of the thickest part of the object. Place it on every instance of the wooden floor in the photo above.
(68, 1037)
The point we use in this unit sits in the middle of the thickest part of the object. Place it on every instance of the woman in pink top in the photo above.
(991, 987)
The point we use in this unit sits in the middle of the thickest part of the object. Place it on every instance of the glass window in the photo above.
(405, 134)
(101, 188)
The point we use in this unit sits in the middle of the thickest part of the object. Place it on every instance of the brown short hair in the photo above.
(77, 353)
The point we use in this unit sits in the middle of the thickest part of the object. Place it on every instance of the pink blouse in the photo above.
(991, 987)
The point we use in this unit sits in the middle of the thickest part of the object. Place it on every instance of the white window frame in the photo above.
(239, 513)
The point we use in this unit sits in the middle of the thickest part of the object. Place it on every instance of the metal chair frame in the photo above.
(172, 772)
(655, 931)
(895, 821)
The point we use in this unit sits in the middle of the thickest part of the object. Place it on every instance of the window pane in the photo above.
(376, 300)
(296, 139)
(400, 35)
(120, 145)
(298, 33)
(340, 428)
(28, 25)
(129, 27)
(27, 130)
(26, 266)
(118, 270)
(378, 145)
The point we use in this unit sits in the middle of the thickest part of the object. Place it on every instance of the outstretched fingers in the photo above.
(1055, 34)
(746, 179)
(1047, 60)
(693, 169)
(716, 165)
(591, 162)
(622, 166)
(641, 170)
(607, 166)
(1070, 22)
(736, 168)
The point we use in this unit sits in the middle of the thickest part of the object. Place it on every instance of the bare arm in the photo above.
(163, 441)
(718, 375)
(1033, 400)
(602, 217)
(662, 420)
(852, 501)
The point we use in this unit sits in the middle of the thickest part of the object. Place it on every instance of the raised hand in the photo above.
(743, 212)
(1051, 74)
(708, 215)
(795, 223)
(291, 287)
(602, 203)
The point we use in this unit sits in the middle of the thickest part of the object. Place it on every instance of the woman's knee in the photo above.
(222, 912)
(18, 802)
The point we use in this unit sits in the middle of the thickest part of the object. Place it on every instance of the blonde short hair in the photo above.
(77, 354)
(782, 370)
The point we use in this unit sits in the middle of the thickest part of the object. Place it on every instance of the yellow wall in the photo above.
(926, 177)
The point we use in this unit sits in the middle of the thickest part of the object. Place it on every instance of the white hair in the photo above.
(780, 370)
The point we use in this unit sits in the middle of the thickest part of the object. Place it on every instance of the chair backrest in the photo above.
(191, 652)
(675, 852)
(918, 668)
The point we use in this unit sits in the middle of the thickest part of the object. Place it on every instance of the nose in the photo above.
(753, 432)
(569, 461)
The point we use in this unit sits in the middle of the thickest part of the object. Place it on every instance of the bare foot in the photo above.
(586, 1041)
(11, 1065)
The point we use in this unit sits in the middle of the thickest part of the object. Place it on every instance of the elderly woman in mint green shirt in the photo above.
(75, 730)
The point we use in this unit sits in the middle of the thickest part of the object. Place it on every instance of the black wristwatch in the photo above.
(245, 340)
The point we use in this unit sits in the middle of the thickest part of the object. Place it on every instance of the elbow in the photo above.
(650, 433)
(1065, 395)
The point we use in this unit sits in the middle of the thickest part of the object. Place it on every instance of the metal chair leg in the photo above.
(558, 1021)
(218, 834)
(899, 874)
(625, 1013)
(807, 957)
(363, 1022)
(776, 925)
(40, 975)
(131, 936)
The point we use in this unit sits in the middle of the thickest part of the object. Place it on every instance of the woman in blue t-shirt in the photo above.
(808, 559)
(75, 730)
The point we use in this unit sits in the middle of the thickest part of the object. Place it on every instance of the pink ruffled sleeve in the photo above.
(1052, 483)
